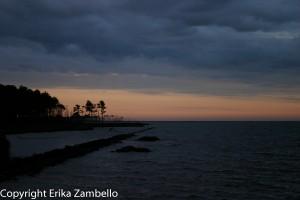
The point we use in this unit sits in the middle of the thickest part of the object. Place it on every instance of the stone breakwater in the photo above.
(34, 164)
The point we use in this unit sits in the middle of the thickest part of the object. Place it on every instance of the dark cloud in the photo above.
(250, 41)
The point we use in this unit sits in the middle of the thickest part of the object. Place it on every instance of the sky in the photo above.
(158, 59)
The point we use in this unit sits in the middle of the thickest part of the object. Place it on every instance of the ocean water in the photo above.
(192, 160)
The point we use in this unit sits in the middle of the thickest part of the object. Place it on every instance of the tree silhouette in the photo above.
(23, 103)
(102, 107)
(59, 109)
(76, 110)
(90, 107)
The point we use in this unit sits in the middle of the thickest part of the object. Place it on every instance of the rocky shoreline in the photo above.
(34, 164)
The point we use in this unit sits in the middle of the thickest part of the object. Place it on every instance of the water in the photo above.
(193, 160)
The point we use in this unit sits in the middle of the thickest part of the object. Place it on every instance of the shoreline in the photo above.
(38, 126)
(34, 164)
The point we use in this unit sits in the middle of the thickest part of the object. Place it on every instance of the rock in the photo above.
(132, 149)
(148, 139)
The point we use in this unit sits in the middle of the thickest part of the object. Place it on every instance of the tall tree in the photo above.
(76, 110)
(23, 103)
(90, 107)
(102, 107)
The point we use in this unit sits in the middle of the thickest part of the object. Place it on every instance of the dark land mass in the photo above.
(62, 124)
(23, 103)
(23, 110)
(37, 126)
(34, 164)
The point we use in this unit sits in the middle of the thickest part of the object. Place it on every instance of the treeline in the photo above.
(94, 111)
(23, 103)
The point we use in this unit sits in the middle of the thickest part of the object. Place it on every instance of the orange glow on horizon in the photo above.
(177, 106)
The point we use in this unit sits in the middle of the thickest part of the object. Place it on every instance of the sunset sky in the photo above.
(158, 59)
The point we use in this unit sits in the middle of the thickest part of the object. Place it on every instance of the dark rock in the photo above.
(4, 150)
(132, 149)
(148, 138)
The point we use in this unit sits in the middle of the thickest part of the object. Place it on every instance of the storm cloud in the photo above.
(242, 41)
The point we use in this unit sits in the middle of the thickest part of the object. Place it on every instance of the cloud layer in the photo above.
(241, 41)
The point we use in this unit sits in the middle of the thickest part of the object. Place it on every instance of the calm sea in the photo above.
(192, 160)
